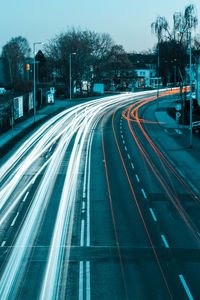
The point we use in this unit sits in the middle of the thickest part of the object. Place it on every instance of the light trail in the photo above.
(61, 129)
(165, 164)
(71, 127)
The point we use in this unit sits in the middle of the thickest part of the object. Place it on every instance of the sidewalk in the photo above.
(174, 140)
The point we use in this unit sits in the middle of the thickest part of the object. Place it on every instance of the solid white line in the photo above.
(129, 156)
(164, 241)
(153, 214)
(144, 194)
(3, 244)
(13, 222)
(82, 232)
(88, 280)
(132, 166)
(27, 193)
(125, 148)
(138, 180)
(185, 287)
(81, 280)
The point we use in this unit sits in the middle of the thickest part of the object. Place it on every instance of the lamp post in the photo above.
(182, 31)
(70, 74)
(34, 101)
(158, 67)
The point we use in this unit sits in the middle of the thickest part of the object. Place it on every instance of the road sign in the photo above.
(178, 114)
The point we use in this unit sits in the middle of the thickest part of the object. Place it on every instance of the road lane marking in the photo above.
(153, 214)
(144, 194)
(123, 141)
(83, 205)
(128, 156)
(164, 241)
(13, 222)
(82, 232)
(87, 280)
(138, 180)
(186, 287)
(25, 196)
(3, 243)
(132, 165)
(122, 136)
(33, 180)
(125, 148)
(81, 280)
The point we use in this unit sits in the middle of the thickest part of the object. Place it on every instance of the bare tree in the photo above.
(90, 48)
(161, 28)
(14, 54)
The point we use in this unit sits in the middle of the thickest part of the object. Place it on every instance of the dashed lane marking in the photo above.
(186, 287)
(144, 194)
(164, 241)
(3, 243)
(82, 232)
(153, 214)
(25, 197)
(138, 180)
(13, 222)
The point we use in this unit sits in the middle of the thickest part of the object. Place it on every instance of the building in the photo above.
(145, 66)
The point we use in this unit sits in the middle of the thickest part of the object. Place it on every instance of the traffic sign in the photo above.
(178, 106)
(178, 114)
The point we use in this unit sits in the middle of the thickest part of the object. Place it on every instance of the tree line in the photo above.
(173, 43)
(95, 53)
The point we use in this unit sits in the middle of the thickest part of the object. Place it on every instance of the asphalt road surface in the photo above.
(90, 208)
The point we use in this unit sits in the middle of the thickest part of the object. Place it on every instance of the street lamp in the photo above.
(158, 67)
(34, 101)
(182, 31)
(70, 74)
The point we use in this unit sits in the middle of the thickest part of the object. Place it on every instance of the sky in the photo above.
(127, 21)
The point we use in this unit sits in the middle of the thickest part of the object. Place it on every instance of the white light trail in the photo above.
(76, 122)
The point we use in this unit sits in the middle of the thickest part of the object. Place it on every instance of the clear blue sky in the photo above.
(127, 21)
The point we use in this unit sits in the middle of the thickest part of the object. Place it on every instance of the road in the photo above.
(90, 208)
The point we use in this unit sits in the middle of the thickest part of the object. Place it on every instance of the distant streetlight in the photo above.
(34, 101)
(182, 31)
(70, 74)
